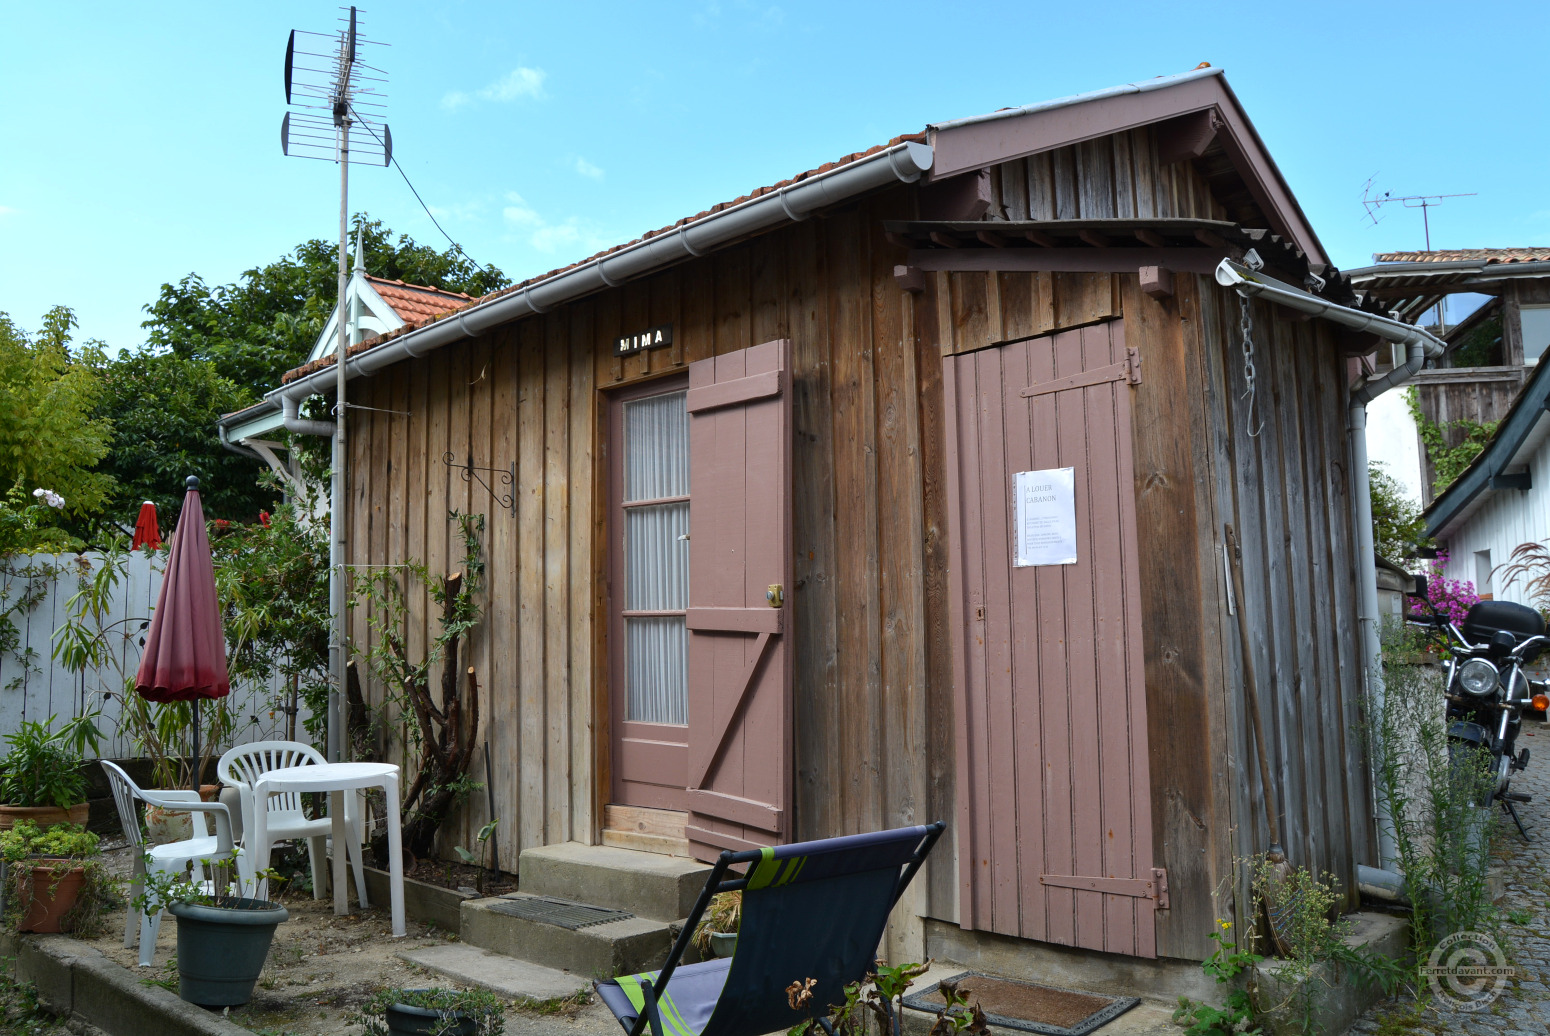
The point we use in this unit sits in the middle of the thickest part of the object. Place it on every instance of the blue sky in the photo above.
(139, 143)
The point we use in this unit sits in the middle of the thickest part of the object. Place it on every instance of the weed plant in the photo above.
(1430, 792)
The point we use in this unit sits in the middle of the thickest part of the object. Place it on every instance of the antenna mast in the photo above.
(1425, 202)
(335, 83)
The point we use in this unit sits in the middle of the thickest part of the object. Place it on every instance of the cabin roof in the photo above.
(1195, 111)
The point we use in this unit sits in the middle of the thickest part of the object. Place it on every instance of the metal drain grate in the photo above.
(559, 912)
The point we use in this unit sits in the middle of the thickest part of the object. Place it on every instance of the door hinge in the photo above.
(1127, 370)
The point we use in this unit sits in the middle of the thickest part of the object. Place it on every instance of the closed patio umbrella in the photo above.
(185, 650)
(147, 532)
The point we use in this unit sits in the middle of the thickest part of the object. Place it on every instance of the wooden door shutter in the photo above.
(1054, 813)
(740, 567)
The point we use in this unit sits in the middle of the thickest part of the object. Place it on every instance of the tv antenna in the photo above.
(326, 87)
(1425, 202)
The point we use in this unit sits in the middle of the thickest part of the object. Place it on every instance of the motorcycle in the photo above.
(1488, 689)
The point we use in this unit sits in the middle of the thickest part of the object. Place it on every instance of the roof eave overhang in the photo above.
(902, 163)
(966, 144)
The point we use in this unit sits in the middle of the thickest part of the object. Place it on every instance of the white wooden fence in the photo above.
(33, 686)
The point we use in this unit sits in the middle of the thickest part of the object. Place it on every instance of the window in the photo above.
(656, 558)
(1535, 322)
(1483, 573)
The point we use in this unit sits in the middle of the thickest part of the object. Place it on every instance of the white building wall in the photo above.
(1506, 519)
(1392, 441)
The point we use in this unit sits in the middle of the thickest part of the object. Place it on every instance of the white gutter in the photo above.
(1419, 345)
(902, 163)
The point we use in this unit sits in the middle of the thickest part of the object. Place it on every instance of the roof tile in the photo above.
(1448, 255)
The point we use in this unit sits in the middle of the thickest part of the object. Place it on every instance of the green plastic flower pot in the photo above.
(404, 1020)
(221, 950)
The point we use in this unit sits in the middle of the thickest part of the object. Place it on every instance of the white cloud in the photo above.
(588, 170)
(518, 213)
(545, 236)
(519, 82)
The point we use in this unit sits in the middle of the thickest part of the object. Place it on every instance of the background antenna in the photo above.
(327, 86)
(1373, 202)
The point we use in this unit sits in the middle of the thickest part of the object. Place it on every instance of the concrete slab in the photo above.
(496, 972)
(663, 888)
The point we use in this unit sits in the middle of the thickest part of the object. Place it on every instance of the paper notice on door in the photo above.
(1045, 516)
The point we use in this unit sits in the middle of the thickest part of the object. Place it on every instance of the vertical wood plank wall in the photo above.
(873, 677)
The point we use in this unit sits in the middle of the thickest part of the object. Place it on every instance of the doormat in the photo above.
(1029, 1007)
(559, 912)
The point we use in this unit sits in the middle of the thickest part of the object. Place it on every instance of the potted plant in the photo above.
(40, 776)
(50, 869)
(716, 934)
(434, 1012)
(223, 938)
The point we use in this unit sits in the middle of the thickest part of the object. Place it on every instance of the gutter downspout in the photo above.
(902, 163)
(290, 413)
(1419, 345)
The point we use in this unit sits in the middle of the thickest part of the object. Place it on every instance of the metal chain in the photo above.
(1246, 327)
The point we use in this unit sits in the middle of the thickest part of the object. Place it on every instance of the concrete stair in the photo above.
(658, 890)
(646, 884)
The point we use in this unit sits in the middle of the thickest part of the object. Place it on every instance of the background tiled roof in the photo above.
(414, 302)
(1490, 255)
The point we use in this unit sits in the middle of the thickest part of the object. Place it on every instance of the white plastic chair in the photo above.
(239, 767)
(169, 858)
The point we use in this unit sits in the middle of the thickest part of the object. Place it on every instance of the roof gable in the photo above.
(1219, 125)
(1201, 112)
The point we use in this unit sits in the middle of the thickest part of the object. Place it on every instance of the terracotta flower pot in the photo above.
(43, 816)
(165, 826)
(49, 892)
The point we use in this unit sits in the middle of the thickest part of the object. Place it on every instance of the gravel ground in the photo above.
(321, 968)
(1524, 1007)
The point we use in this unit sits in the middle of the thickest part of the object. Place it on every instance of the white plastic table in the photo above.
(336, 779)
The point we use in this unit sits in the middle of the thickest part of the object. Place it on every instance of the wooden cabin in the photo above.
(762, 575)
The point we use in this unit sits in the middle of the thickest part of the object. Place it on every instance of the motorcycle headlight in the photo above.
(1478, 677)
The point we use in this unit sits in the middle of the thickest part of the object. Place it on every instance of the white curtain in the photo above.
(656, 558)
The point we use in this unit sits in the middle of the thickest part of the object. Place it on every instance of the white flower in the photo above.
(51, 498)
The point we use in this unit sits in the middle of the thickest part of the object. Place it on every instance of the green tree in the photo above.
(267, 322)
(51, 436)
(163, 408)
(1397, 526)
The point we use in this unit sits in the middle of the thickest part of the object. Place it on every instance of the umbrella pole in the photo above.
(195, 766)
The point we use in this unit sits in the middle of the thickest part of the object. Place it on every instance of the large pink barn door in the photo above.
(740, 566)
(1054, 807)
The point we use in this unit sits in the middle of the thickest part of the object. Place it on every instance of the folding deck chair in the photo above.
(810, 910)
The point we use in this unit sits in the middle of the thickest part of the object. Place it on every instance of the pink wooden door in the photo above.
(740, 566)
(648, 459)
(1054, 807)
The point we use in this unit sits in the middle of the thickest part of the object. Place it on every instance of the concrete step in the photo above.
(620, 947)
(651, 885)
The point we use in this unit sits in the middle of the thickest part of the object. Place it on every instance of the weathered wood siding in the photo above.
(873, 667)
(1479, 395)
(1287, 491)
